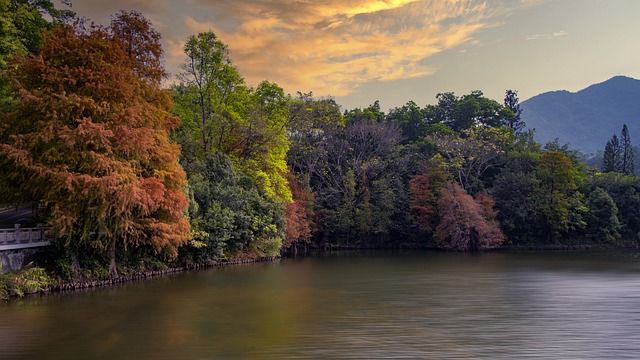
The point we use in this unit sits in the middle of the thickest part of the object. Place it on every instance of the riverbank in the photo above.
(25, 284)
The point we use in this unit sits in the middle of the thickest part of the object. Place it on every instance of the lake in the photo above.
(538, 305)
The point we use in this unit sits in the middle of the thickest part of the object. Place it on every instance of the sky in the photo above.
(394, 51)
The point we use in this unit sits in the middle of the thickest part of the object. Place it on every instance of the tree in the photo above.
(626, 152)
(612, 157)
(141, 42)
(462, 113)
(625, 192)
(602, 218)
(424, 191)
(471, 154)
(25, 20)
(298, 214)
(207, 98)
(411, 119)
(463, 223)
(557, 201)
(89, 139)
(513, 190)
(512, 103)
(233, 217)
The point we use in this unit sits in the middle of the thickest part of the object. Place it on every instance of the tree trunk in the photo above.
(111, 249)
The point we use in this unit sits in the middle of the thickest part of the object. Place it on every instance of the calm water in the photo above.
(561, 305)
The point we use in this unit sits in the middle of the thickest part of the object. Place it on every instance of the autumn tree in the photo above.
(466, 224)
(89, 139)
(141, 42)
(298, 214)
(425, 189)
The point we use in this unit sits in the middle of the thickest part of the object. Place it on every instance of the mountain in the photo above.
(588, 118)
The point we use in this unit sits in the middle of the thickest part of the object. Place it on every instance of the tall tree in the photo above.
(627, 152)
(512, 103)
(612, 155)
(89, 138)
(141, 42)
(207, 96)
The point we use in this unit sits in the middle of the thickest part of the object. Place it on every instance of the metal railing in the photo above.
(22, 238)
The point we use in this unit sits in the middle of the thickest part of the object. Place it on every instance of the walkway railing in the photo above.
(22, 238)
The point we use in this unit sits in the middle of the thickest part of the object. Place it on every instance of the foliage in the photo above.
(625, 192)
(89, 139)
(466, 224)
(221, 114)
(602, 218)
(514, 120)
(356, 175)
(464, 112)
(298, 213)
(207, 99)
(424, 191)
(612, 156)
(235, 215)
(627, 152)
(557, 201)
(472, 152)
(26, 281)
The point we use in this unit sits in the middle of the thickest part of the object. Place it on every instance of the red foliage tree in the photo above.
(424, 191)
(463, 225)
(89, 139)
(298, 214)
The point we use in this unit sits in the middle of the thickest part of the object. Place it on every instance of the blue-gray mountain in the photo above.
(588, 118)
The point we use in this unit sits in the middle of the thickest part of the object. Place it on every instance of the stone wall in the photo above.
(16, 259)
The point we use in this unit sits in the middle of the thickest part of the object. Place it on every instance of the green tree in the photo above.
(625, 191)
(612, 156)
(411, 119)
(626, 152)
(512, 103)
(602, 218)
(234, 218)
(557, 200)
(472, 153)
(207, 98)
(462, 113)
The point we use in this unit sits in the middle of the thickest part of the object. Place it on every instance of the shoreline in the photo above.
(74, 285)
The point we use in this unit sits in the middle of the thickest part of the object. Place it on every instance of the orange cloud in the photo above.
(334, 47)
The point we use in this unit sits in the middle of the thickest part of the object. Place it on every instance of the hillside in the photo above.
(588, 118)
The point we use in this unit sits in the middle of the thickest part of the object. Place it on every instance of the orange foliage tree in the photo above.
(298, 214)
(89, 139)
(424, 192)
(465, 223)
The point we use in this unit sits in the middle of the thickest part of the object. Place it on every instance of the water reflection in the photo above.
(436, 306)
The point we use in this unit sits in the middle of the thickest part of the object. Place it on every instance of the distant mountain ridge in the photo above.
(588, 118)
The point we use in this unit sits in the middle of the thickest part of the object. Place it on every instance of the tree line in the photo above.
(130, 175)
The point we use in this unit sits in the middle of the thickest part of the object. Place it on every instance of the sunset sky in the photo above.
(359, 51)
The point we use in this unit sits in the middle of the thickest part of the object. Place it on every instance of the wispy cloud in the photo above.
(333, 47)
(547, 36)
